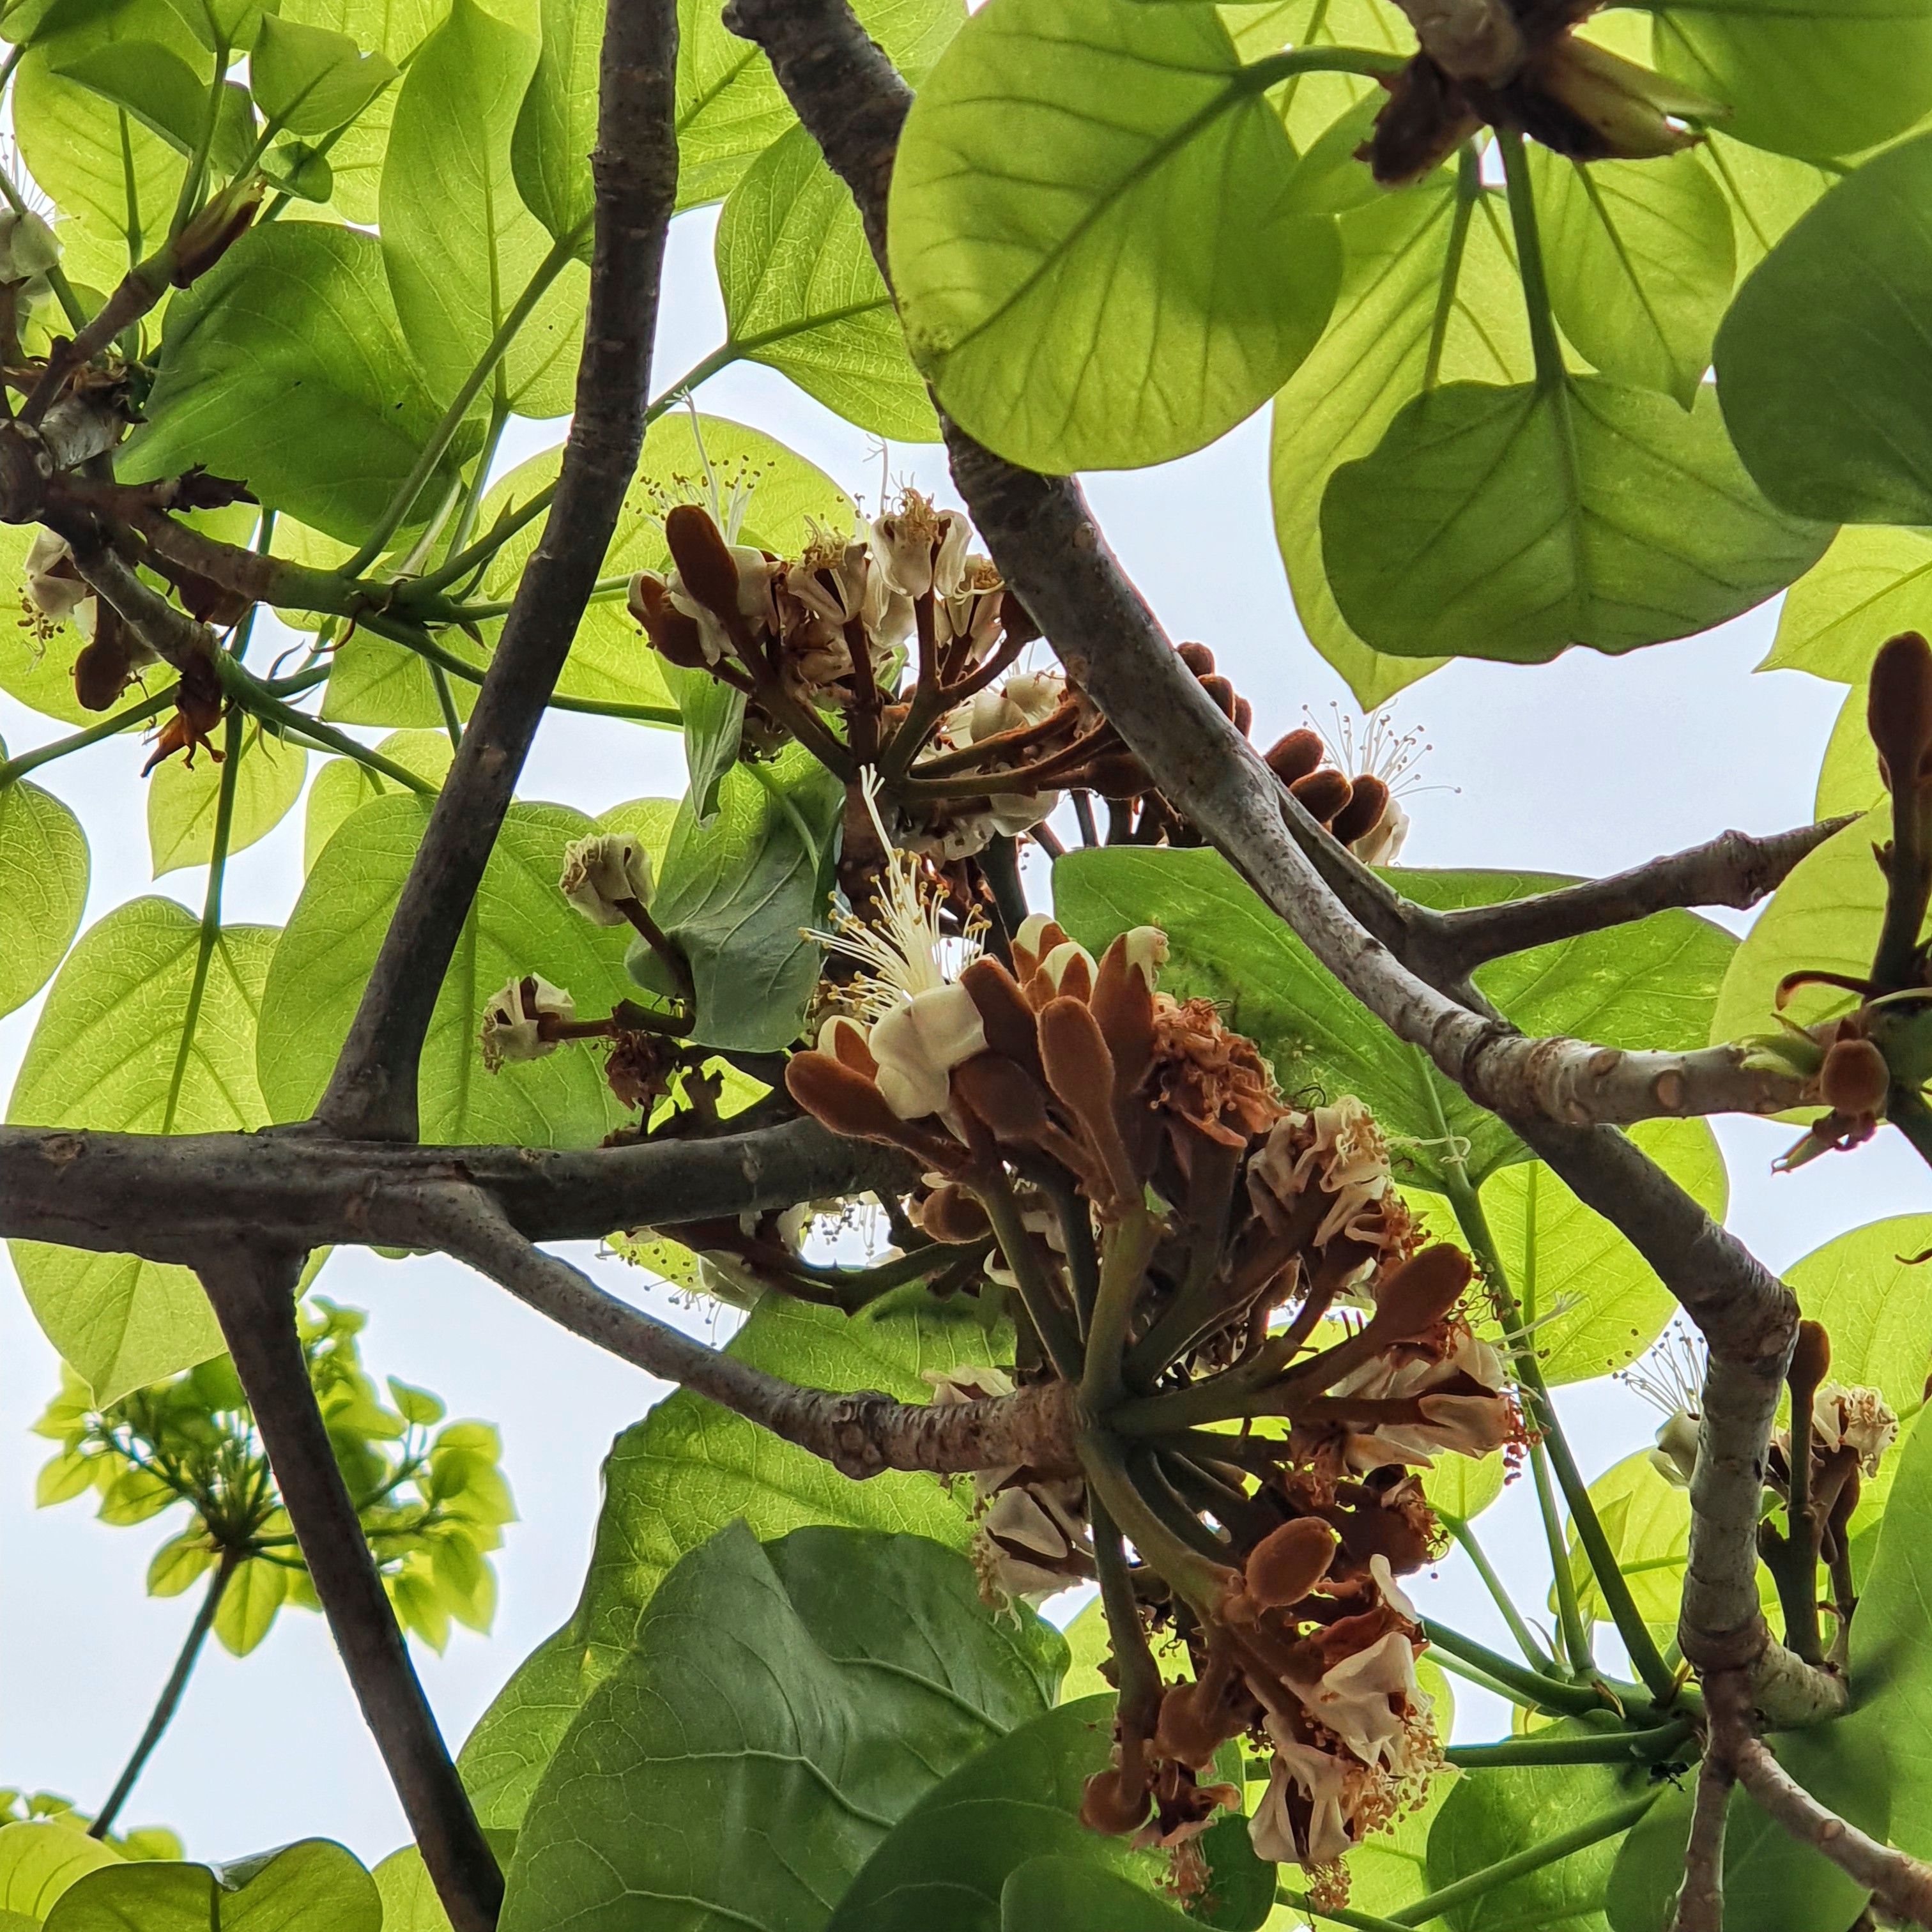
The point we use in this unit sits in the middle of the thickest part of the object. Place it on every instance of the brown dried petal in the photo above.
(704, 558)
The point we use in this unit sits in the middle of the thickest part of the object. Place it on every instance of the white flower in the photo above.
(1674, 1458)
(1324, 1781)
(1855, 1418)
(917, 1045)
(1474, 1420)
(914, 543)
(600, 870)
(1382, 844)
(1338, 1147)
(1389, 1590)
(53, 591)
(1352, 1700)
(754, 601)
(511, 1020)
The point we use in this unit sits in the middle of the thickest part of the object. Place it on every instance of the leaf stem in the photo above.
(138, 713)
(1551, 376)
(1044, 1308)
(1610, 1746)
(1126, 1245)
(1465, 1535)
(1532, 1687)
(169, 1700)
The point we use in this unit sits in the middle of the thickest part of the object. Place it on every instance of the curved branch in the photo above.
(859, 1434)
(252, 1292)
(1700, 1905)
(372, 1092)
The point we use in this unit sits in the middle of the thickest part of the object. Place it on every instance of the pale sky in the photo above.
(1585, 766)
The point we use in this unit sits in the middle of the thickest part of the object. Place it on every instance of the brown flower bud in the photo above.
(103, 669)
(1222, 692)
(844, 1039)
(1419, 1293)
(1080, 1070)
(1008, 1021)
(1295, 756)
(1244, 715)
(842, 1098)
(952, 1215)
(1198, 658)
(214, 231)
(1122, 1001)
(704, 558)
(1111, 1804)
(674, 636)
(1037, 936)
(1368, 799)
(1002, 1096)
(1118, 775)
(1855, 1078)
(1322, 794)
(1194, 1723)
(1811, 1362)
(1289, 1562)
(1898, 707)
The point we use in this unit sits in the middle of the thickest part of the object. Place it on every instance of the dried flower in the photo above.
(1855, 1418)
(512, 1020)
(603, 872)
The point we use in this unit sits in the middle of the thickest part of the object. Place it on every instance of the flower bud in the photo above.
(1420, 1293)
(1322, 794)
(951, 1214)
(704, 558)
(674, 637)
(1223, 692)
(1855, 1078)
(105, 666)
(1194, 1723)
(1123, 1000)
(214, 231)
(1039, 933)
(1898, 706)
(604, 871)
(844, 1039)
(1069, 971)
(1674, 1458)
(1118, 775)
(1630, 112)
(1244, 715)
(1295, 756)
(1198, 658)
(1011, 1028)
(1110, 1804)
(1368, 799)
(840, 1098)
(1002, 1096)
(1811, 1360)
(1289, 1562)
(1080, 1070)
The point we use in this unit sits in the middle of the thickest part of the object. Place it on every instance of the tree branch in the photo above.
(860, 1435)
(1700, 1905)
(1733, 869)
(253, 1294)
(1900, 1883)
(373, 1092)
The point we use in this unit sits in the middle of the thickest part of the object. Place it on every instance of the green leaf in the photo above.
(520, 923)
(1650, 984)
(1813, 78)
(104, 1055)
(97, 161)
(714, 728)
(40, 1860)
(409, 1901)
(1772, 1882)
(862, 1668)
(1089, 242)
(1070, 1896)
(1874, 581)
(1640, 264)
(43, 866)
(1766, 192)
(181, 803)
(314, 1885)
(1463, 1486)
(1646, 1520)
(1597, 1304)
(247, 1610)
(1826, 386)
(687, 1470)
(372, 681)
(1512, 524)
(1862, 1287)
(1848, 780)
(610, 661)
(394, 29)
(1412, 258)
(1019, 1798)
(342, 787)
(729, 107)
(164, 93)
(1493, 1813)
(285, 365)
(308, 80)
(1825, 917)
(556, 124)
(1892, 1652)
(736, 893)
(460, 245)
(803, 295)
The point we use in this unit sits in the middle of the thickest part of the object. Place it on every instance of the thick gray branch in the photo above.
(373, 1092)
(253, 1293)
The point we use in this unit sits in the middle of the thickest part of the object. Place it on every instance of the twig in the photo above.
(1700, 1905)
(253, 1294)
(372, 1092)
(859, 1434)
(1901, 1883)
(169, 1700)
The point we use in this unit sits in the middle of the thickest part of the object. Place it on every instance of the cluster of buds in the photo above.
(1172, 1231)
(1360, 811)
(1520, 64)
